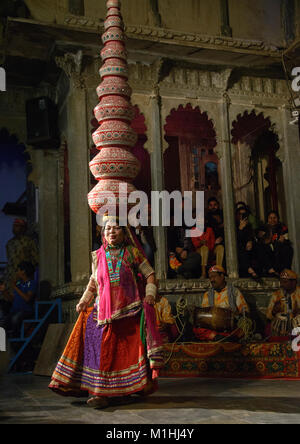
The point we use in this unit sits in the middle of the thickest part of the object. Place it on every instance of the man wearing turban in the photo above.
(284, 307)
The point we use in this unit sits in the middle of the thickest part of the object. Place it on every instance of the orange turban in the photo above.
(217, 269)
(288, 274)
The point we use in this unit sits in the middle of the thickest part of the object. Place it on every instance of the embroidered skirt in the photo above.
(102, 361)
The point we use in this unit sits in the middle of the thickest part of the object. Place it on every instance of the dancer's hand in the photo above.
(150, 299)
(81, 306)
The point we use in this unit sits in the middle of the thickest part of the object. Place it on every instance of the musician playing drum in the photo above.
(223, 296)
(284, 307)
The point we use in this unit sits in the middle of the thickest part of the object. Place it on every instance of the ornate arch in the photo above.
(255, 160)
(191, 138)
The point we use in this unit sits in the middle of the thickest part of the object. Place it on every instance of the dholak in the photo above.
(214, 318)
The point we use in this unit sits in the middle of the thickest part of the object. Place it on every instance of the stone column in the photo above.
(78, 148)
(227, 189)
(61, 219)
(291, 165)
(48, 216)
(157, 180)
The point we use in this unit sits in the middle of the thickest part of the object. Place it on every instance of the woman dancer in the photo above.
(115, 348)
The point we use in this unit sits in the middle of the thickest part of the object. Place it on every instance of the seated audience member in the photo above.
(144, 235)
(204, 244)
(275, 251)
(165, 320)
(253, 221)
(186, 265)
(146, 239)
(22, 299)
(183, 259)
(221, 295)
(214, 220)
(284, 308)
(245, 243)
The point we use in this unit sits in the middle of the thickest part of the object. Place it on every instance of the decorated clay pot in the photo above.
(113, 11)
(114, 107)
(104, 190)
(115, 86)
(114, 67)
(113, 21)
(115, 163)
(113, 4)
(113, 34)
(115, 133)
(114, 50)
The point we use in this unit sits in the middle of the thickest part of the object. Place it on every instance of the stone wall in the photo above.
(250, 19)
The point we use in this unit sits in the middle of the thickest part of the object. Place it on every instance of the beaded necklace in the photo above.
(114, 275)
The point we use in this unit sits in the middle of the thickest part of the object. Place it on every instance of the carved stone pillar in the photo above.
(291, 164)
(227, 190)
(157, 179)
(48, 216)
(77, 139)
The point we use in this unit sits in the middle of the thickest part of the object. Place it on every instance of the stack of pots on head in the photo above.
(115, 138)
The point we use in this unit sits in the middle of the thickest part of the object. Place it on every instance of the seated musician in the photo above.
(284, 308)
(165, 320)
(221, 295)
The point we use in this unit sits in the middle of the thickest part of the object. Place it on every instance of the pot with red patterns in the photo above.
(115, 86)
(110, 191)
(114, 162)
(114, 67)
(111, 107)
(115, 133)
(114, 50)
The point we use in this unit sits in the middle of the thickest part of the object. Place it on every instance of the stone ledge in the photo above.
(74, 290)
(201, 285)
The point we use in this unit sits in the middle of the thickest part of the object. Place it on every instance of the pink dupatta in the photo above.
(154, 340)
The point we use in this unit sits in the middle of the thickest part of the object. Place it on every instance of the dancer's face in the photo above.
(113, 234)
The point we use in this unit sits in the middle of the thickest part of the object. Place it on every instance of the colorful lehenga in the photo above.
(115, 348)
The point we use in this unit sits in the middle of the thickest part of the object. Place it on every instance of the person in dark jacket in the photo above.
(275, 251)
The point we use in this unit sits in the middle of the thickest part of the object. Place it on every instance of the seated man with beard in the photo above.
(224, 296)
(284, 308)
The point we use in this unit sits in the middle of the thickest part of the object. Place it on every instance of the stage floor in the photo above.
(27, 400)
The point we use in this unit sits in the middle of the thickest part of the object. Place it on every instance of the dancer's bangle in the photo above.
(151, 290)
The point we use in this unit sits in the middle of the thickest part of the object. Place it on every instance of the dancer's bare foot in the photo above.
(150, 388)
(97, 402)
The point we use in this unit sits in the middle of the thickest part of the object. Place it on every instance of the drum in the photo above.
(279, 325)
(214, 318)
(282, 325)
(296, 321)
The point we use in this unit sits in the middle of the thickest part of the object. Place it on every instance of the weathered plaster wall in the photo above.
(256, 19)
(49, 11)
(249, 19)
(199, 16)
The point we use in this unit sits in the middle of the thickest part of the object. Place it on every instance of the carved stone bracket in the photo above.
(168, 35)
(71, 64)
(199, 40)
